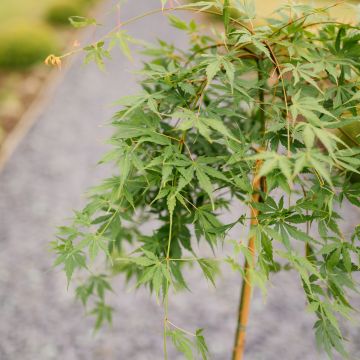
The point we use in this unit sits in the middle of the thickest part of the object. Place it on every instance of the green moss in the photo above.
(24, 45)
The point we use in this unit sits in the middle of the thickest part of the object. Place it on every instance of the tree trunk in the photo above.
(246, 290)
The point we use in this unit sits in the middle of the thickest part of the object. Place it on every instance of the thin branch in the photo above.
(153, 12)
(304, 18)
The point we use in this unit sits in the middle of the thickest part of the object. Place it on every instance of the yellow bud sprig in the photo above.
(53, 60)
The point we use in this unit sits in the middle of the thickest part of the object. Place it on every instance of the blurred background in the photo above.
(29, 31)
(51, 137)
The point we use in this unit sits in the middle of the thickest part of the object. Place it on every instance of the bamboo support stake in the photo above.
(246, 290)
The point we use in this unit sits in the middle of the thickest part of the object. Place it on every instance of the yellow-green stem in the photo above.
(166, 297)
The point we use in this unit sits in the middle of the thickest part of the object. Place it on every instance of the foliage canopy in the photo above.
(268, 102)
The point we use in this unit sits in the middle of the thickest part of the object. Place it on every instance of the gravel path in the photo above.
(41, 184)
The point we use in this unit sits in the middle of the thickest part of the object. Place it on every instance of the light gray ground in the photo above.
(41, 184)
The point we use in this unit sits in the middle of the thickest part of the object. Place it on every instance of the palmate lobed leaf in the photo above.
(190, 346)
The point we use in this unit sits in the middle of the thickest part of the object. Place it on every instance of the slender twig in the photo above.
(303, 18)
(261, 97)
(166, 295)
(153, 12)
